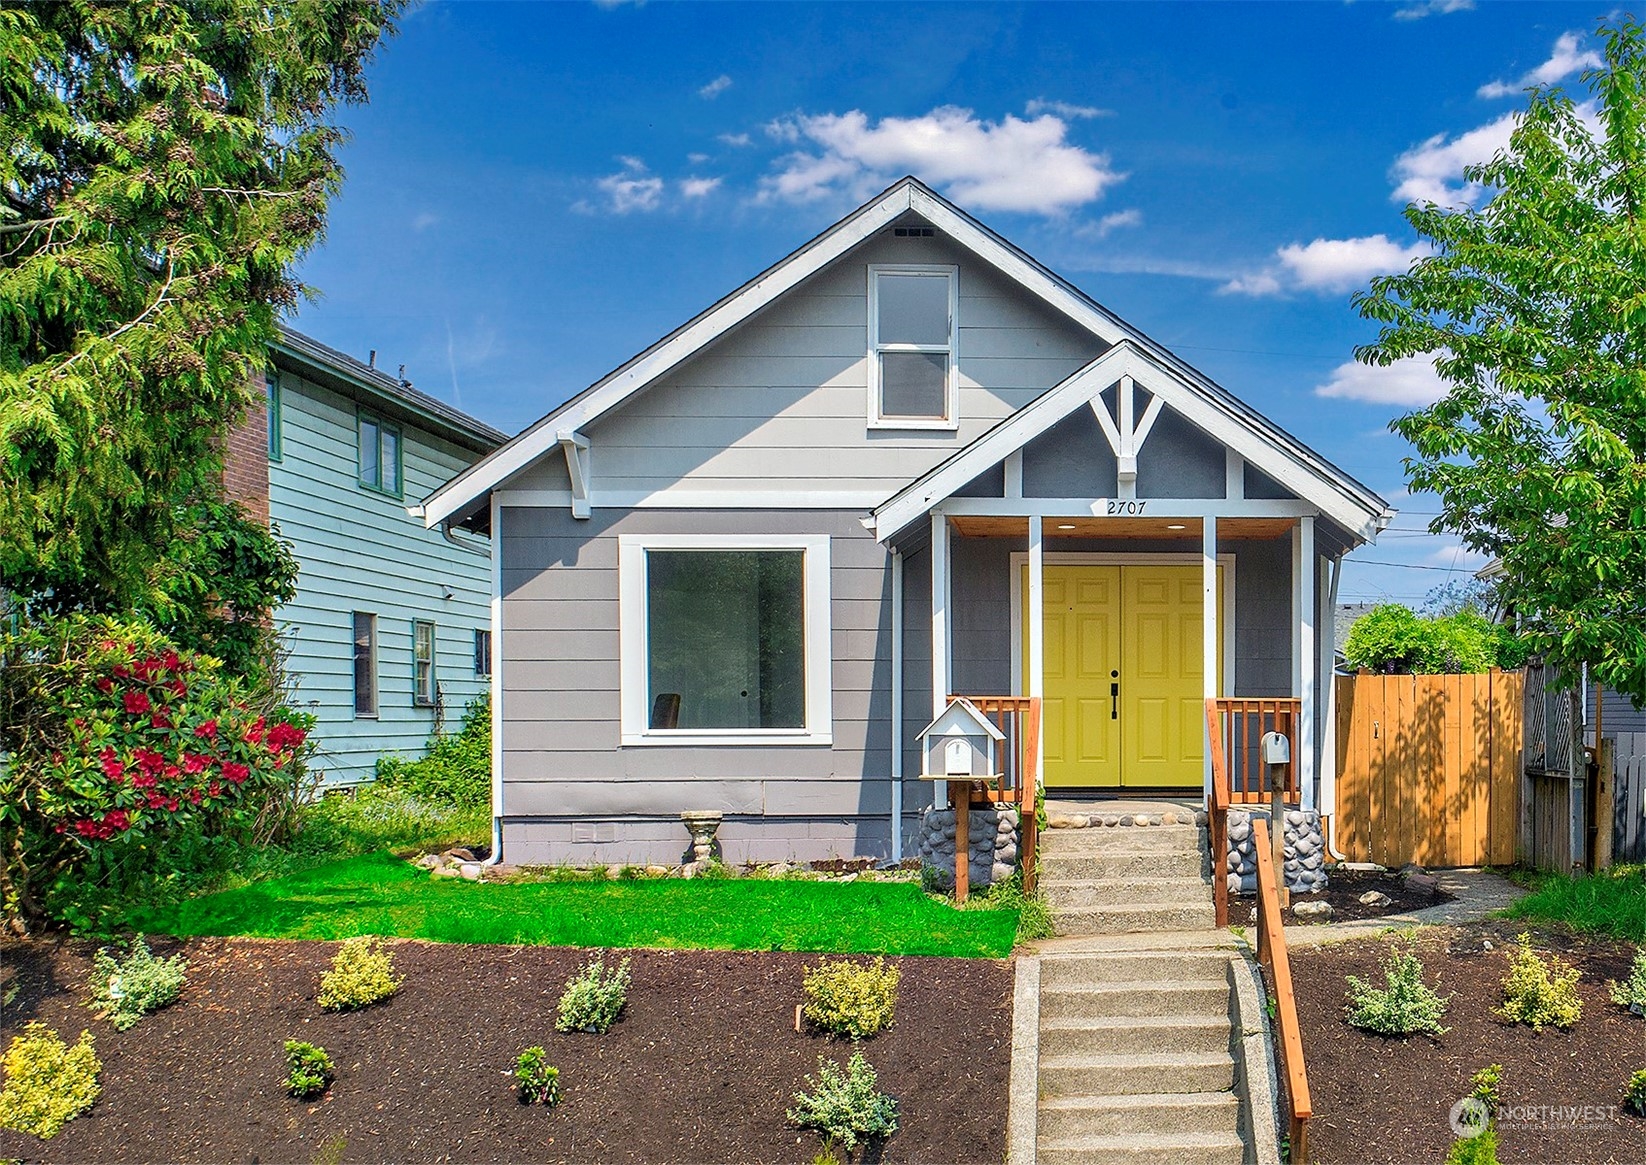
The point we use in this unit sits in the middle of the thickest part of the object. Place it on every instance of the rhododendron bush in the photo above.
(110, 737)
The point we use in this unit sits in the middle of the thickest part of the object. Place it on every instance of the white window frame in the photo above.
(634, 672)
(425, 694)
(951, 420)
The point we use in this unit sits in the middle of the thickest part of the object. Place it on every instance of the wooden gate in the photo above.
(1429, 768)
(1628, 759)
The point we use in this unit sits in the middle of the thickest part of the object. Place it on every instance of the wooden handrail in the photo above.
(1217, 814)
(1271, 952)
(1248, 718)
(1019, 718)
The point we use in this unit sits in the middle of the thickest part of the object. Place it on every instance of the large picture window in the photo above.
(725, 639)
(912, 334)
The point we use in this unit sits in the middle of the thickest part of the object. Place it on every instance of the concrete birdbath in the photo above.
(702, 824)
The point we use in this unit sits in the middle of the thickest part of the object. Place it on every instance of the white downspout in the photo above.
(496, 855)
(897, 705)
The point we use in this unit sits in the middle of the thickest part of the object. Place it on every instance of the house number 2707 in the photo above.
(1125, 507)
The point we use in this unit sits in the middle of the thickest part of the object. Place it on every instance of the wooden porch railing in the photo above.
(1243, 721)
(1271, 953)
(1018, 717)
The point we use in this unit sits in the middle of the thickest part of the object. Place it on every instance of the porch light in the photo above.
(1176, 526)
(1065, 525)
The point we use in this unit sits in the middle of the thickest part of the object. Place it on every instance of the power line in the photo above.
(1403, 565)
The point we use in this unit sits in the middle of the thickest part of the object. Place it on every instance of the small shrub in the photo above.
(1631, 993)
(362, 973)
(48, 1083)
(1480, 1149)
(593, 998)
(846, 1106)
(1634, 1095)
(124, 990)
(536, 1081)
(1405, 1006)
(309, 1069)
(1538, 993)
(851, 999)
(456, 768)
(1485, 1087)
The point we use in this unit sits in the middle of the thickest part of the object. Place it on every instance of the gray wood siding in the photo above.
(562, 732)
(359, 550)
(782, 401)
(1618, 714)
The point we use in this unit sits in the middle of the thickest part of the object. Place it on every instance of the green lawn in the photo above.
(1612, 902)
(382, 894)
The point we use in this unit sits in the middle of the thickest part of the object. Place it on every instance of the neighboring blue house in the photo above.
(389, 634)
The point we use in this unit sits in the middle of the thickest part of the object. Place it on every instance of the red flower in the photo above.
(194, 796)
(160, 719)
(195, 763)
(122, 671)
(143, 781)
(148, 760)
(107, 644)
(137, 702)
(146, 667)
(156, 799)
(170, 662)
(171, 771)
(207, 731)
(285, 736)
(254, 734)
(235, 772)
(214, 790)
(178, 687)
(112, 768)
(105, 685)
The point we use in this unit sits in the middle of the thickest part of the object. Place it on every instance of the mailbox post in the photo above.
(1277, 754)
(960, 748)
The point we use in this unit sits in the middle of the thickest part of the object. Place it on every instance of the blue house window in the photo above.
(379, 455)
(271, 387)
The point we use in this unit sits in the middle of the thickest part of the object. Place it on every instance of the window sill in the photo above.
(914, 423)
(367, 487)
(365, 715)
(771, 738)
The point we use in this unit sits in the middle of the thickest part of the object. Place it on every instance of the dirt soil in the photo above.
(1344, 888)
(1383, 1101)
(699, 1069)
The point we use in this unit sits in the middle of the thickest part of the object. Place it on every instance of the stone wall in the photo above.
(1305, 851)
(992, 851)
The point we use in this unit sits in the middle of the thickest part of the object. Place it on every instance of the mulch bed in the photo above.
(699, 1069)
(1344, 888)
(1382, 1101)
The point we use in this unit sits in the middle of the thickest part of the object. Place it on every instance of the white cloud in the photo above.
(1109, 223)
(1410, 381)
(697, 159)
(632, 188)
(1327, 265)
(715, 88)
(424, 221)
(736, 140)
(1432, 170)
(699, 187)
(1424, 8)
(1064, 109)
(1012, 164)
(1566, 59)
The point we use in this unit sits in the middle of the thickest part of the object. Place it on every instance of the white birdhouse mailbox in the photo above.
(960, 745)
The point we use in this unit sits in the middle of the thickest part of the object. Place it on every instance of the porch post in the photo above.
(940, 631)
(1209, 630)
(1304, 581)
(1035, 647)
(897, 705)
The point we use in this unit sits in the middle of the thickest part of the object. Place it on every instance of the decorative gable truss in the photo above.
(1126, 367)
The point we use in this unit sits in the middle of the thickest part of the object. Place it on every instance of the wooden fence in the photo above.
(1429, 768)
(1628, 759)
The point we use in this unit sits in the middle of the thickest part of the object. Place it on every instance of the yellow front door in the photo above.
(1122, 675)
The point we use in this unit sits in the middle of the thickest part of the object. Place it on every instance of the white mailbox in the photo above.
(1277, 748)
(960, 745)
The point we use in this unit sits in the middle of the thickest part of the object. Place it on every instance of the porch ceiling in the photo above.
(1186, 529)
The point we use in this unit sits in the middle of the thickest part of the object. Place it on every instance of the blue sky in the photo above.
(539, 190)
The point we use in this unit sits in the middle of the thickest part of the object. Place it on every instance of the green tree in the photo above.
(1533, 306)
(166, 164)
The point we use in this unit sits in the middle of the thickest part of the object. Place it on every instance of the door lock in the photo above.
(1114, 701)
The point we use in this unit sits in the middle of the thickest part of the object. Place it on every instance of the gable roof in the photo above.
(343, 373)
(1347, 502)
(460, 496)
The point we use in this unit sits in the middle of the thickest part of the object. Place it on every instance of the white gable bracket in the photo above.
(576, 446)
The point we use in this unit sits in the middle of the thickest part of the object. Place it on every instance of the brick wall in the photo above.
(246, 457)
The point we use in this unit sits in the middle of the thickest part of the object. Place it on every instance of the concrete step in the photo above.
(1130, 918)
(1137, 997)
(1158, 1112)
(1199, 1148)
(1120, 863)
(1063, 893)
(1100, 1075)
(1153, 837)
(1137, 1034)
(1188, 964)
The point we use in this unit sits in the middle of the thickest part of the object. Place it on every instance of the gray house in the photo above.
(742, 571)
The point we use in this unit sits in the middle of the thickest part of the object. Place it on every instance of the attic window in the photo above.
(912, 332)
(914, 232)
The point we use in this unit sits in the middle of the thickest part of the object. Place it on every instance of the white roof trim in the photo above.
(1128, 359)
(463, 491)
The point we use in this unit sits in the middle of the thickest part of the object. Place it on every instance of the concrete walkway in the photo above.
(1477, 893)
